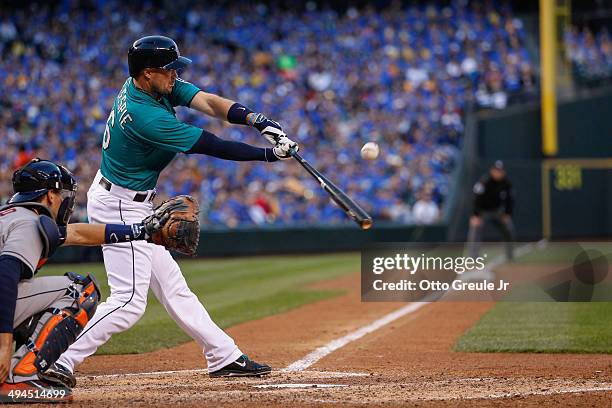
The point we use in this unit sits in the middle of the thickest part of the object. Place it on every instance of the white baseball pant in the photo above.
(132, 268)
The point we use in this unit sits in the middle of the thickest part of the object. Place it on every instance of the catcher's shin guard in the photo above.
(57, 329)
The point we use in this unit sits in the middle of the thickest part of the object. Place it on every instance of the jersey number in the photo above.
(109, 124)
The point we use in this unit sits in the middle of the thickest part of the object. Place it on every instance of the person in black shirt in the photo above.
(493, 202)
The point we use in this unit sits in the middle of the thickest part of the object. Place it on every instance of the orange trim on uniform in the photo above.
(41, 263)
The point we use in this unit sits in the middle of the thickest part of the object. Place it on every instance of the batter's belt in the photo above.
(139, 197)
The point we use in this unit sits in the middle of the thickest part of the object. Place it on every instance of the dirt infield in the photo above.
(407, 362)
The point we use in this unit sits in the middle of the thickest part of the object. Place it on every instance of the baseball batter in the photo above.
(44, 315)
(142, 136)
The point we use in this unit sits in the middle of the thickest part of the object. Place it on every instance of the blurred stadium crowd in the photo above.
(590, 55)
(403, 77)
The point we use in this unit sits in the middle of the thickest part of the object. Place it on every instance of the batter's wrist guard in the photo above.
(238, 113)
(116, 233)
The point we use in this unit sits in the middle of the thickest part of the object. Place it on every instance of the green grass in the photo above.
(567, 252)
(232, 290)
(542, 327)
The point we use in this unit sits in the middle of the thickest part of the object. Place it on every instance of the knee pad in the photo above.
(88, 297)
(56, 329)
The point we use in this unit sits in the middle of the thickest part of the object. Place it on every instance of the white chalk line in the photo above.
(327, 374)
(487, 397)
(336, 374)
(300, 385)
(334, 345)
(573, 390)
(145, 374)
(547, 392)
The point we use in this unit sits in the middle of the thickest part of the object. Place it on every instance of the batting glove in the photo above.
(285, 147)
(269, 129)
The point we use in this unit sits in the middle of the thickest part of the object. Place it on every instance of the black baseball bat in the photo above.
(350, 207)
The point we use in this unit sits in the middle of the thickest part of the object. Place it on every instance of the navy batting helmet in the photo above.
(155, 51)
(38, 177)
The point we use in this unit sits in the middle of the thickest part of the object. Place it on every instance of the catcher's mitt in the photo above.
(175, 224)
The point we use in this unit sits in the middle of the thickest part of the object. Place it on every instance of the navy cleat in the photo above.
(243, 367)
(60, 375)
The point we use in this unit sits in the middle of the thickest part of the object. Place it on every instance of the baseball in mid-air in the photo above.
(370, 151)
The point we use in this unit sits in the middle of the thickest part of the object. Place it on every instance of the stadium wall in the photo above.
(514, 133)
(569, 196)
(306, 239)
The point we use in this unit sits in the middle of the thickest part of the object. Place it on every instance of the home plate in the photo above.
(300, 386)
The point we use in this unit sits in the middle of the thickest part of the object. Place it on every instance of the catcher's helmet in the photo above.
(39, 176)
(155, 51)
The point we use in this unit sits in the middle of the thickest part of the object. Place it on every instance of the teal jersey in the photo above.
(143, 135)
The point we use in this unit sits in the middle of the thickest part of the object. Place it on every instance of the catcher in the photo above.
(44, 315)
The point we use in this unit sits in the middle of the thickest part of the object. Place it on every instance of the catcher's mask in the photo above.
(67, 207)
(38, 177)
